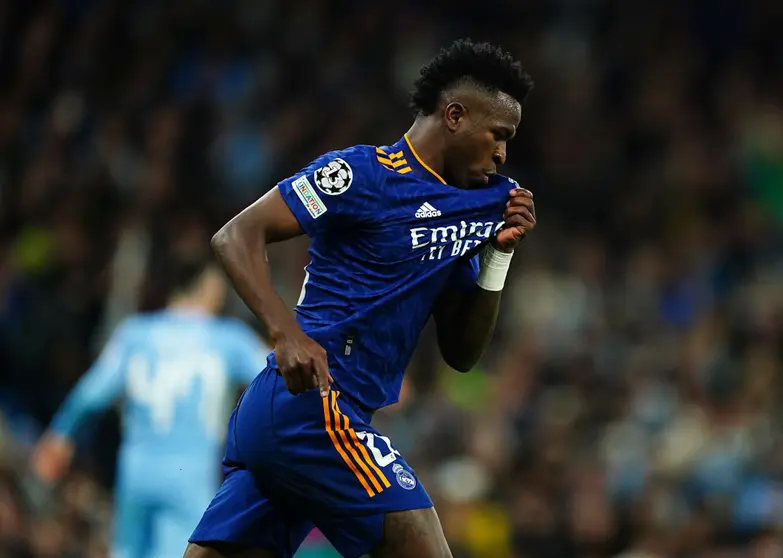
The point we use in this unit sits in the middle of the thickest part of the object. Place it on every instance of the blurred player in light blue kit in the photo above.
(175, 372)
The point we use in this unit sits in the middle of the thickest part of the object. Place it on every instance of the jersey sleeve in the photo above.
(98, 387)
(336, 191)
(248, 353)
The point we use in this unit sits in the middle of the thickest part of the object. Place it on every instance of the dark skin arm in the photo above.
(465, 321)
(240, 248)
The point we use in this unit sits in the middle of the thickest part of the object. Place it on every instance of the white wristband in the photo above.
(493, 268)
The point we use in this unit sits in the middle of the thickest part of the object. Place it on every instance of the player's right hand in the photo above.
(302, 363)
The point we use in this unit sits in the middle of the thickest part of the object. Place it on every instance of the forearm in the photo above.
(240, 248)
(470, 328)
(68, 419)
(466, 320)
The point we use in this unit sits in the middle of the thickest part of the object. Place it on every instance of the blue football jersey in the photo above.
(387, 234)
(173, 371)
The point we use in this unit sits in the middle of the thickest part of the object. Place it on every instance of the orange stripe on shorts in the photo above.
(351, 449)
(340, 450)
(362, 449)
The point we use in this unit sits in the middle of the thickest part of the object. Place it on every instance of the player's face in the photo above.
(479, 137)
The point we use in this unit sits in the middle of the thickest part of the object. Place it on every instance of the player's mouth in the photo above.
(480, 178)
(488, 176)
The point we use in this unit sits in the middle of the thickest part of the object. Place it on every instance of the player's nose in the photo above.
(499, 156)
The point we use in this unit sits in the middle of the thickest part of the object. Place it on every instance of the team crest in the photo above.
(405, 479)
(335, 178)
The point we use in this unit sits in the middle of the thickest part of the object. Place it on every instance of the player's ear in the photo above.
(454, 114)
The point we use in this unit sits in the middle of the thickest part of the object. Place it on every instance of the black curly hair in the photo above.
(482, 64)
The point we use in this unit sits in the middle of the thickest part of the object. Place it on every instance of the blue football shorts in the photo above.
(297, 461)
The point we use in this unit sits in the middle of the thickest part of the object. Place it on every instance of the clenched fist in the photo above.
(302, 363)
(520, 218)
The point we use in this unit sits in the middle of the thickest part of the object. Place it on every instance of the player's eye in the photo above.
(501, 135)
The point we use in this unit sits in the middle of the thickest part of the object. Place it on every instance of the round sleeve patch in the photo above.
(334, 178)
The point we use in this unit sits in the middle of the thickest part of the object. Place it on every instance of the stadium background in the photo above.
(630, 403)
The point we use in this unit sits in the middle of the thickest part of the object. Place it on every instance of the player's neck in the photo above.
(425, 137)
(185, 305)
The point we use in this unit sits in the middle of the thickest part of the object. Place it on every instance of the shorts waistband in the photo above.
(366, 412)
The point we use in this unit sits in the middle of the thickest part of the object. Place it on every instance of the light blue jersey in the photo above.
(175, 373)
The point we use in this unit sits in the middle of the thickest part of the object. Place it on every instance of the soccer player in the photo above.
(175, 371)
(423, 227)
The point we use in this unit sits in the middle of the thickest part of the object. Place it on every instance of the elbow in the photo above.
(241, 234)
(461, 366)
(458, 353)
(219, 241)
(223, 240)
(459, 360)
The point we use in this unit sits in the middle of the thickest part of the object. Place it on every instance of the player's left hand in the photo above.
(520, 218)
(51, 457)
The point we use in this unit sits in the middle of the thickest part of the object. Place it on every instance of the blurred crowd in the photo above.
(630, 403)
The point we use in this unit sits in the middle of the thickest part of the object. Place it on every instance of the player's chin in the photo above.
(472, 180)
(478, 181)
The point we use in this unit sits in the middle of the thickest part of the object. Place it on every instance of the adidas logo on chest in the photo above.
(426, 210)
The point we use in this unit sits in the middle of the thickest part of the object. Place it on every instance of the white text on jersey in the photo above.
(438, 238)
(426, 210)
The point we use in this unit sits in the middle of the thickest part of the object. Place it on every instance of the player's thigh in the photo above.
(393, 534)
(325, 455)
(412, 533)
(218, 549)
(347, 473)
(241, 521)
